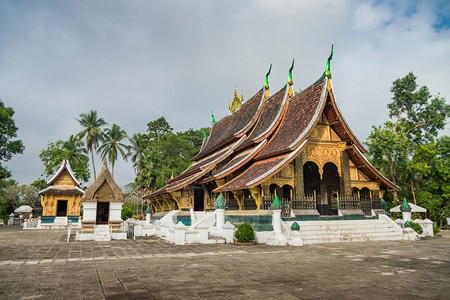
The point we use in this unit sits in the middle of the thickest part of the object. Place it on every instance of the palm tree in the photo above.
(74, 150)
(137, 149)
(92, 131)
(112, 146)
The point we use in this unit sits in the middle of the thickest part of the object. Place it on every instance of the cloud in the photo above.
(136, 61)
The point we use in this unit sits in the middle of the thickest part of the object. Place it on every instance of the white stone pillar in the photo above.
(147, 218)
(276, 221)
(11, 219)
(228, 232)
(220, 217)
(406, 216)
(203, 233)
(180, 234)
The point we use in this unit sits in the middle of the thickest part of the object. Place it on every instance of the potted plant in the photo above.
(244, 235)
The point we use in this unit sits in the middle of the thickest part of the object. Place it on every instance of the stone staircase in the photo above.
(102, 233)
(313, 232)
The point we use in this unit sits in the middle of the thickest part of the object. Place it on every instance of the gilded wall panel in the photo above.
(320, 155)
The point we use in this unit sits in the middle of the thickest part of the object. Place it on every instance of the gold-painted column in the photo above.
(257, 195)
(239, 196)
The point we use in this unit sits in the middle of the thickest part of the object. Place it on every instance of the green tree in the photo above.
(137, 147)
(40, 184)
(161, 154)
(429, 173)
(406, 150)
(416, 119)
(112, 145)
(73, 150)
(16, 195)
(92, 132)
(417, 114)
(9, 146)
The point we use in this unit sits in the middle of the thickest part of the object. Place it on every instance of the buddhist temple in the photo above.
(102, 206)
(297, 147)
(61, 201)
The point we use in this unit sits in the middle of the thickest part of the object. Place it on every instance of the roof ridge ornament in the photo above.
(236, 102)
(213, 120)
(327, 72)
(266, 84)
(290, 82)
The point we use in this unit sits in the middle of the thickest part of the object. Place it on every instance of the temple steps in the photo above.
(313, 232)
(102, 233)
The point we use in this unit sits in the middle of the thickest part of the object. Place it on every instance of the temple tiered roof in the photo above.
(265, 134)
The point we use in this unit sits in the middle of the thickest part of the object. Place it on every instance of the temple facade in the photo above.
(294, 146)
(61, 201)
(102, 206)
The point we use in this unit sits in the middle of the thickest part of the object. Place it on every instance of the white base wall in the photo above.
(90, 211)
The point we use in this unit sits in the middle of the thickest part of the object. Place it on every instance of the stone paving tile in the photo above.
(149, 268)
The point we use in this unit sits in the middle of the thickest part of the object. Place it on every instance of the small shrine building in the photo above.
(61, 201)
(294, 146)
(102, 207)
(103, 200)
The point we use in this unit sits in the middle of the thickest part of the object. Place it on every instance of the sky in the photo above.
(134, 61)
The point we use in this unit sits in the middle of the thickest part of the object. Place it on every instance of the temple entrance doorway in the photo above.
(331, 182)
(311, 181)
(102, 212)
(61, 208)
(287, 191)
(199, 195)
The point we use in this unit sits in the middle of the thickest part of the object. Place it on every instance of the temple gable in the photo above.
(104, 193)
(64, 179)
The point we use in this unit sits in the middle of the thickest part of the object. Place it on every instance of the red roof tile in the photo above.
(302, 111)
(234, 125)
(270, 116)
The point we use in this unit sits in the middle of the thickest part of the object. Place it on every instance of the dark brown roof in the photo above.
(198, 170)
(179, 184)
(196, 166)
(260, 171)
(239, 160)
(358, 158)
(302, 111)
(62, 190)
(234, 125)
(268, 120)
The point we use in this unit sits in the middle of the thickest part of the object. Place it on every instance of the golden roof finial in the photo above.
(236, 102)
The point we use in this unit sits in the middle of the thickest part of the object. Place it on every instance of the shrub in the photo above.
(436, 229)
(417, 228)
(244, 233)
(126, 213)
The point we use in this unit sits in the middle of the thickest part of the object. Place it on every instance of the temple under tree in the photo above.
(294, 146)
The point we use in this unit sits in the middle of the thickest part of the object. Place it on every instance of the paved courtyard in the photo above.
(42, 265)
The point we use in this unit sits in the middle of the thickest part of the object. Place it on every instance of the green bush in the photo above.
(436, 229)
(244, 233)
(417, 228)
(127, 213)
